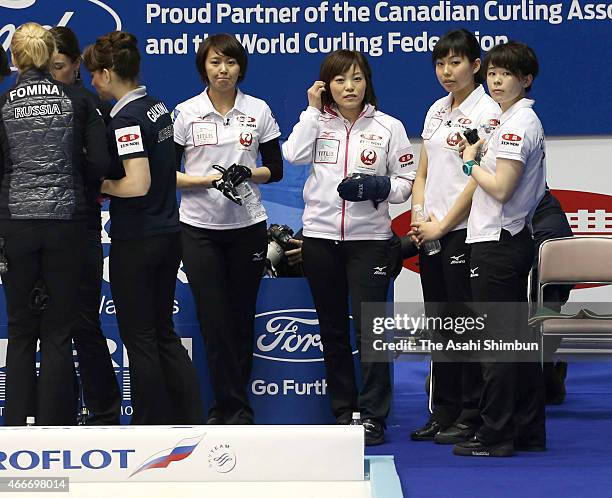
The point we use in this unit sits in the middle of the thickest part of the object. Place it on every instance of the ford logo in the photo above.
(290, 335)
(80, 15)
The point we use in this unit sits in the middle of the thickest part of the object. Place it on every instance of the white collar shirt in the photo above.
(442, 131)
(210, 138)
(137, 93)
(520, 137)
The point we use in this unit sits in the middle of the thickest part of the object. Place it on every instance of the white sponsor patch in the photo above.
(512, 141)
(129, 140)
(204, 133)
(326, 151)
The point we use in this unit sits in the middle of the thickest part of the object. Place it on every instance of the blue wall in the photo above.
(572, 91)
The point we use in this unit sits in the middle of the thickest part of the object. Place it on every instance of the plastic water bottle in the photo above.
(433, 246)
(30, 421)
(356, 419)
(249, 199)
(83, 416)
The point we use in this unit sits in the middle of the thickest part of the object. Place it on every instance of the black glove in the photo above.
(225, 186)
(359, 187)
(237, 173)
(471, 136)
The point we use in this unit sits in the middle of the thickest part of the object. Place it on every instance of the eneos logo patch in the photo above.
(129, 140)
(371, 136)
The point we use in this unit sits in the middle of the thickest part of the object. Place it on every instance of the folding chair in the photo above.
(574, 260)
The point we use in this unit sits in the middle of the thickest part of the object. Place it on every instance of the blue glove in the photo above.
(359, 187)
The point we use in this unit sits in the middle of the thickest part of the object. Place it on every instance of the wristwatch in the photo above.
(467, 167)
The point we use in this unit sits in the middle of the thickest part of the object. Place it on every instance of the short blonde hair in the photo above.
(32, 47)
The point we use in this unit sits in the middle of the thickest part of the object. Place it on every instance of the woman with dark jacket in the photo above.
(146, 245)
(97, 375)
(51, 139)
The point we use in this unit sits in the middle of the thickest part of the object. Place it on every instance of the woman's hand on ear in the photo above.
(314, 94)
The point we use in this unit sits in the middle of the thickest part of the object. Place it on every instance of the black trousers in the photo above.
(512, 402)
(52, 250)
(163, 381)
(445, 278)
(224, 269)
(100, 387)
(337, 272)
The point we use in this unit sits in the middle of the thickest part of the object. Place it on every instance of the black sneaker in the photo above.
(554, 378)
(537, 442)
(427, 432)
(456, 433)
(474, 447)
(529, 447)
(374, 432)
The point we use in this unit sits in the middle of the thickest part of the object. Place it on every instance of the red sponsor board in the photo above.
(588, 213)
(401, 226)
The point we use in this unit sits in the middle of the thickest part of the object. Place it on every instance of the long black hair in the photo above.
(459, 42)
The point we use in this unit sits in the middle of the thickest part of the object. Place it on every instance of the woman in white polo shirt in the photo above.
(224, 243)
(511, 181)
(361, 160)
(446, 194)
